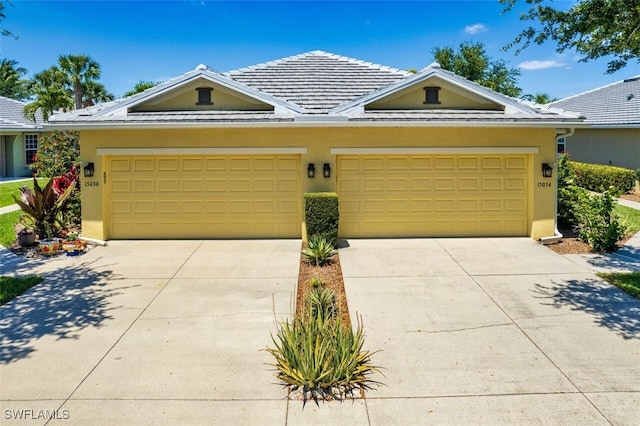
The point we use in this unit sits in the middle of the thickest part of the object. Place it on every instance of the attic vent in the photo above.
(431, 95)
(204, 96)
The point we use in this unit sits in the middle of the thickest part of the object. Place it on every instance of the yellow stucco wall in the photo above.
(319, 141)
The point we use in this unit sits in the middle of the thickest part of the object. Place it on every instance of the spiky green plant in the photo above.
(316, 282)
(318, 251)
(321, 302)
(323, 358)
(317, 353)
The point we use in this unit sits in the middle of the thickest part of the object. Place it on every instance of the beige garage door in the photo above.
(433, 195)
(240, 196)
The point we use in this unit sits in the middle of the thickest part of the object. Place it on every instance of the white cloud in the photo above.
(475, 29)
(540, 65)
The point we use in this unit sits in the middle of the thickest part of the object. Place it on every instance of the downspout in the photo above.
(556, 234)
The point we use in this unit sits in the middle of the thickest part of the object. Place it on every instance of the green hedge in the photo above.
(321, 215)
(596, 177)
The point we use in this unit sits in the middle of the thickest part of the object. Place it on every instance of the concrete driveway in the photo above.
(480, 331)
(148, 332)
(492, 331)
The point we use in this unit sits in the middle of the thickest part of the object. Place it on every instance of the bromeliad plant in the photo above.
(44, 205)
(319, 355)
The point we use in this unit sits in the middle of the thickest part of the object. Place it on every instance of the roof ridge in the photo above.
(318, 53)
(606, 86)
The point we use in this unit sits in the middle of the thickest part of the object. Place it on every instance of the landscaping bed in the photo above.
(331, 275)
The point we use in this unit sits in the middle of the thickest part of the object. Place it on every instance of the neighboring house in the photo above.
(18, 139)
(210, 155)
(613, 111)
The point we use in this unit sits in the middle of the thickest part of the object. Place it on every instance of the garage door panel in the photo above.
(439, 195)
(167, 185)
(205, 197)
(143, 165)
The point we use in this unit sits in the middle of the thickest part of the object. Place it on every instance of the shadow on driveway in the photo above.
(65, 302)
(610, 306)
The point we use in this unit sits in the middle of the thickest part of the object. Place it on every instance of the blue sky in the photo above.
(157, 40)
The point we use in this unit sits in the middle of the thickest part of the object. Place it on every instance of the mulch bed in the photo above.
(331, 274)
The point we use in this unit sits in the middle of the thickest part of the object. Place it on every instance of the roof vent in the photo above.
(202, 67)
(434, 65)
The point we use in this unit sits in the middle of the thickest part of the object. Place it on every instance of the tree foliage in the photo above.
(539, 98)
(594, 28)
(69, 84)
(12, 85)
(80, 70)
(3, 31)
(49, 89)
(472, 62)
(141, 86)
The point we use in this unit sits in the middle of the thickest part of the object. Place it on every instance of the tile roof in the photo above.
(313, 87)
(616, 104)
(11, 117)
(318, 81)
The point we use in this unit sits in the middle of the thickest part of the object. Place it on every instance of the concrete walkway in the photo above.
(480, 331)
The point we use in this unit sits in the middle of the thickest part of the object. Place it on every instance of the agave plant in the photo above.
(321, 302)
(43, 205)
(318, 251)
(323, 358)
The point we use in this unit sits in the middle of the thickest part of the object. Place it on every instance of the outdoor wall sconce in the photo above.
(547, 170)
(89, 169)
(326, 170)
(311, 170)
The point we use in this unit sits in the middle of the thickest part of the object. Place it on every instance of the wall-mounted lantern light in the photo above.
(326, 170)
(547, 170)
(89, 169)
(311, 170)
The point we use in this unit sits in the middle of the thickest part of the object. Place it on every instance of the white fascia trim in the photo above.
(202, 151)
(289, 123)
(438, 150)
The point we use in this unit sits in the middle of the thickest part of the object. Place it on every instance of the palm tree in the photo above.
(539, 98)
(11, 83)
(79, 69)
(93, 93)
(50, 92)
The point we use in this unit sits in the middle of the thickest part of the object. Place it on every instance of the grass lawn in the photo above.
(7, 190)
(629, 282)
(11, 287)
(7, 224)
(629, 217)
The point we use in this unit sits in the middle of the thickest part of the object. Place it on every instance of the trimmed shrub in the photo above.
(599, 226)
(322, 216)
(569, 194)
(599, 178)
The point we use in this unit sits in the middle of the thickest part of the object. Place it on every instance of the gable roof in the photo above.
(309, 89)
(613, 105)
(12, 119)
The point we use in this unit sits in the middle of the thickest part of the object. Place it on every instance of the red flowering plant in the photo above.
(43, 206)
(62, 183)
